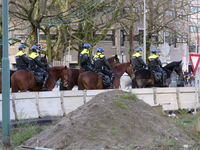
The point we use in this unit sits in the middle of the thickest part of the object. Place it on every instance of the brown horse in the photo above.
(11, 72)
(76, 72)
(113, 60)
(90, 80)
(24, 80)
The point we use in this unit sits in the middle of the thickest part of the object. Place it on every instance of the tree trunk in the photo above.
(61, 43)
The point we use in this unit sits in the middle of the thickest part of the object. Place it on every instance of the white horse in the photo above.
(125, 80)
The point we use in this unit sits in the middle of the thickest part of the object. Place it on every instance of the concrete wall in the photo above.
(59, 103)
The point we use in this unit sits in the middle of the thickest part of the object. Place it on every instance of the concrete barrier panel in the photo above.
(72, 103)
(25, 105)
(50, 104)
(186, 98)
(146, 94)
(12, 115)
(72, 100)
(166, 95)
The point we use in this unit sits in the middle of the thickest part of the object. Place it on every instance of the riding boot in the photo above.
(44, 85)
(164, 80)
(111, 81)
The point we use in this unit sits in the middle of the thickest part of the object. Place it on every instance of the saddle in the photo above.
(38, 78)
(157, 77)
(105, 80)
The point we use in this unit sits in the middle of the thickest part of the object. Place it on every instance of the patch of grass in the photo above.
(109, 141)
(24, 133)
(198, 125)
(92, 131)
(120, 104)
(182, 112)
(116, 95)
(103, 127)
(187, 121)
(126, 96)
(96, 121)
(91, 138)
(113, 130)
(85, 134)
(134, 96)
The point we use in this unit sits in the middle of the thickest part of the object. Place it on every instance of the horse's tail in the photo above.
(80, 83)
(14, 84)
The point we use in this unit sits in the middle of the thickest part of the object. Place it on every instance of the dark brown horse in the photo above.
(24, 80)
(76, 72)
(11, 72)
(145, 77)
(90, 80)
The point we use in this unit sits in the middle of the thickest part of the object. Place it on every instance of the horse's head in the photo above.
(130, 71)
(44, 59)
(113, 60)
(66, 76)
(178, 69)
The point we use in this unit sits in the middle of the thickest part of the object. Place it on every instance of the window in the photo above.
(193, 29)
(193, 9)
(122, 37)
(113, 37)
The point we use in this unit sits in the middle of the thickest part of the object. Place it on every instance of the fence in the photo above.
(58, 103)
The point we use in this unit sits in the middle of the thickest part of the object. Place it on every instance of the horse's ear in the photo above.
(116, 56)
(65, 67)
(45, 56)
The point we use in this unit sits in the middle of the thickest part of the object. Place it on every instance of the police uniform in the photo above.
(85, 62)
(101, 64)
(138, 61)
(22, 61)
(155, 64)
(36, 65)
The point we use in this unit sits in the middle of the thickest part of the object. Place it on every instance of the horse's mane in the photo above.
(113, 57)
(119, 65)
(171, 65)
(56, 68)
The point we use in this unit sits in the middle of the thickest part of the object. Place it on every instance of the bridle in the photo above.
(132, 72)
(68, 79)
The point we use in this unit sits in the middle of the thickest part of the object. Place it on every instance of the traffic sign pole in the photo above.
(195, 58)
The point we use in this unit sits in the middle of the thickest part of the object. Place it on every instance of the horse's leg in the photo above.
(134, 83)
(14, 84)
(80, 82)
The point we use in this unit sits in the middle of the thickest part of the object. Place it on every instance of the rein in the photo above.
(68, 79)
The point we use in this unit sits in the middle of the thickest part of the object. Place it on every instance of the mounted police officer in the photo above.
(85, 62)
(22, 61)
(155, 64)
(37, 65)
(101, 64)
(137, 59)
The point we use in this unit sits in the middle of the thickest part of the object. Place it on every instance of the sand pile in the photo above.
(111, 120)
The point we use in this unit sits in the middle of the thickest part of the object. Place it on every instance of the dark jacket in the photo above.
(154, 62)
(85, 58)
(21, 59)
(100, 61)
(35, 61)
(138, 61)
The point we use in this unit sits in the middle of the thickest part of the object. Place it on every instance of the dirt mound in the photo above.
(111, 120)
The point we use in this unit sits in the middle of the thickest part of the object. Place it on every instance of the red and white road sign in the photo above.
(194, 58)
